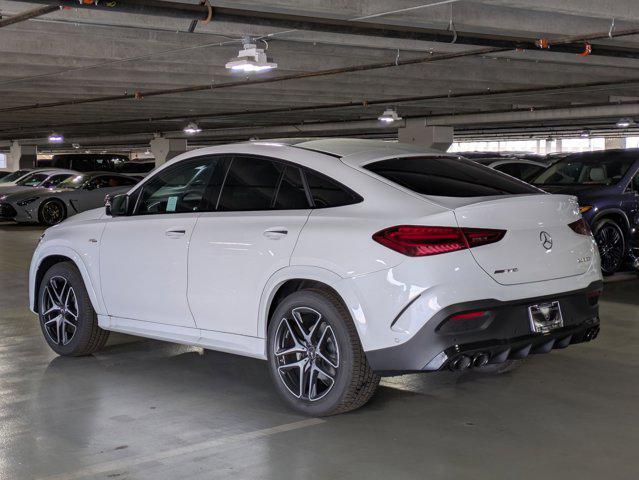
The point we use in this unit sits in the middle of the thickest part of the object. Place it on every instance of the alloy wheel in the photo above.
(307, 354)
(611, 247)
(52, 213)
(59, 311)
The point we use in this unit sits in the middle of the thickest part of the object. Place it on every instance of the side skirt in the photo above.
(212, 340)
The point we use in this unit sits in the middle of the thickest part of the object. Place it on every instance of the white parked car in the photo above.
(336, 260)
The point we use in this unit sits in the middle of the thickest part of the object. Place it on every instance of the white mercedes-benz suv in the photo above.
(337, 261)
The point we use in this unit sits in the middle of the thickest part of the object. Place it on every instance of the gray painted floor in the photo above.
(150, 410)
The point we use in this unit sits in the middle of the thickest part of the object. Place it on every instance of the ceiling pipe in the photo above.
(29, 14)
(329, 106)
(361, 27)
(627, 109)
(230, 133)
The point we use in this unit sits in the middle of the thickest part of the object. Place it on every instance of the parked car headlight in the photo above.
(27, 201)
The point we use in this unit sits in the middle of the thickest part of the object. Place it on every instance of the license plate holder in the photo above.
(545, 317)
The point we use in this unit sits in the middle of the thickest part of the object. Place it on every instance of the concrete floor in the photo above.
(150, 410)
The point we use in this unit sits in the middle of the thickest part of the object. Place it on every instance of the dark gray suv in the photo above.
(607, 186)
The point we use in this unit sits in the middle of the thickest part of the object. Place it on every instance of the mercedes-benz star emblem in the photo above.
(546, 240)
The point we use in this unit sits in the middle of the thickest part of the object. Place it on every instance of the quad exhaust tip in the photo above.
(464, 362)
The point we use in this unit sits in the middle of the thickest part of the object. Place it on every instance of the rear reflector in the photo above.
(420, 241)
(580, 226)
(466, 316)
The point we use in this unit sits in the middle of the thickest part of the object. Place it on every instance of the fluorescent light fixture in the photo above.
(56, 138)
(251, 59)
(192, 128)
(389, 116)
(625, 122)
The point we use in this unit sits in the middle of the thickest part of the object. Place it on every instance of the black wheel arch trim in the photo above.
(607, 213)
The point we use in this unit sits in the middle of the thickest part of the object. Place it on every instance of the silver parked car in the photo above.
(42, 178)
(77, 193)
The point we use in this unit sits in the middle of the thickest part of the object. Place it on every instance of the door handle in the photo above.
(175, 233)
(275, 233)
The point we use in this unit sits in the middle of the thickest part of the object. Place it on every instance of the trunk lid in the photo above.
(539, 245)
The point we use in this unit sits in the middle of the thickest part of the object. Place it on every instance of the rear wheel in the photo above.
(67, 318)
(315, 357)
(52, 212)
(612, 245)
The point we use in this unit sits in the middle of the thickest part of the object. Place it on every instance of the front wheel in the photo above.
(51, 212)
(68, 321)
(315, 356)
(612, 246)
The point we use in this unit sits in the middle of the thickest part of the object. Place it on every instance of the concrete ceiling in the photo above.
(80, 54)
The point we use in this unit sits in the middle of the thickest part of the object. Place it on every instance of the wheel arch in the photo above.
(615, 214)
(289, 280)
(52, 257)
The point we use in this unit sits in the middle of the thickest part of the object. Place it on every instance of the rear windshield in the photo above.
(448, 177)
(584, 171)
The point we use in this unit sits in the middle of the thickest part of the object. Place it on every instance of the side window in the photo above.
(54, 180)
(511, 169)
(634, 184)
(188, 186)
(328, 193)
(97, 182)
(251, 184)
(117, 181)
(291, 194)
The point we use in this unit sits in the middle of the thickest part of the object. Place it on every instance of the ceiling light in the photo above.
(625, 122)
(585, 134)
(192, 128)
(75, 145)
(250, 59)
(389, 116)
(56, 138)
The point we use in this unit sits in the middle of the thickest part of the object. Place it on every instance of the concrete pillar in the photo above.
(21, 156)
(416, 132)
(165, 149)
(548, 146)
(612, 143)
(560, 146)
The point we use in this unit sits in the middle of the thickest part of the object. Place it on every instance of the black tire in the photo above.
(354, 383)
(499, 368)
(611, 241)
(51, 212)
(79, 333)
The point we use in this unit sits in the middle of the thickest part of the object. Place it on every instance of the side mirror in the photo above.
(117, 205)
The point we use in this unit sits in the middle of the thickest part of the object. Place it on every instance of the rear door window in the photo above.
(448, 177)
(251, 184)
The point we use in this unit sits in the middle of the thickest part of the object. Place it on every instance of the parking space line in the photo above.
(129, 462)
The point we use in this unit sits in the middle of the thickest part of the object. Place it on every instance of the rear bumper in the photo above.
(504, 333)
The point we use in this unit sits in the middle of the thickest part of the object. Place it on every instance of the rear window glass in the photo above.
(448, 177)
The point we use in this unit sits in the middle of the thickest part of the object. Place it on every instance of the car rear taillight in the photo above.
(420, 241)
(580, 226)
